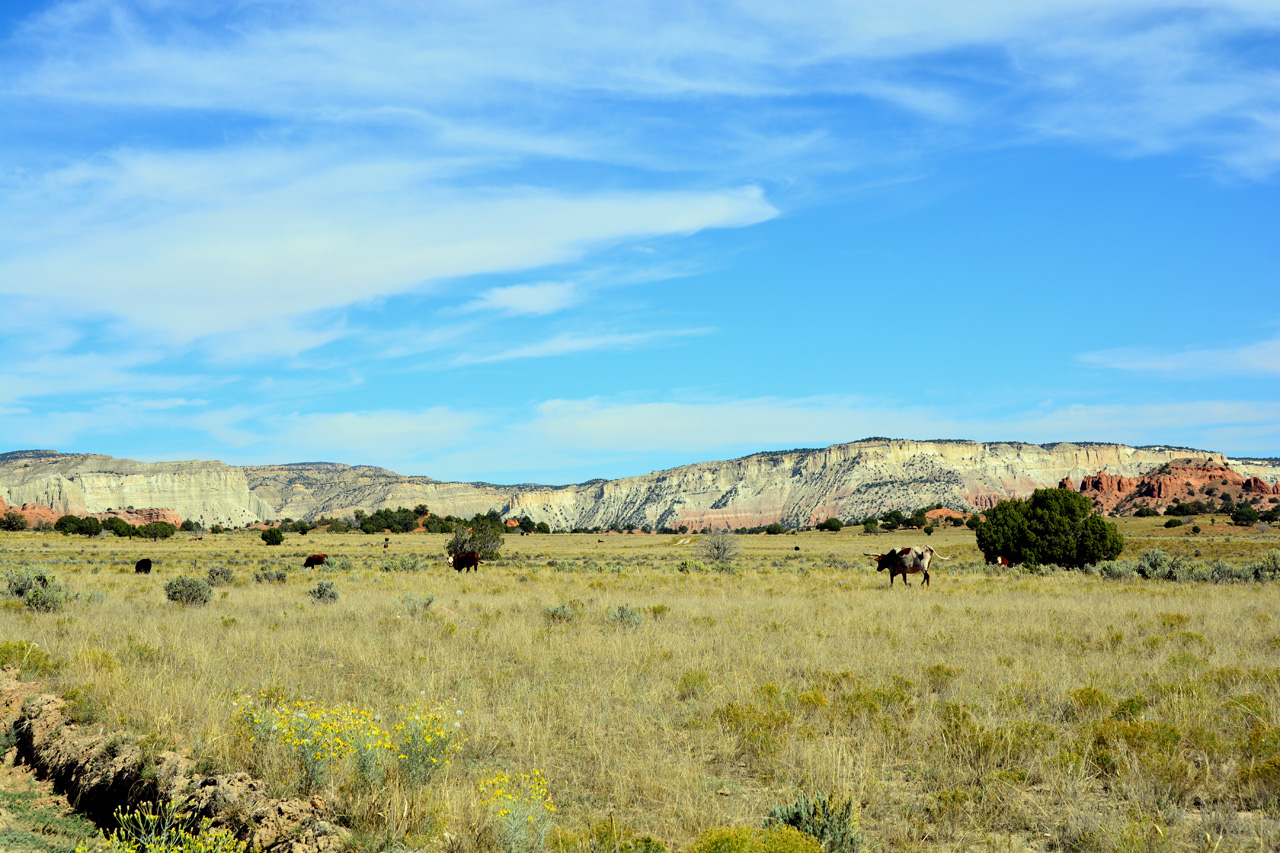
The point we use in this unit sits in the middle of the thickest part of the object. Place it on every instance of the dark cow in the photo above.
(906, 561)
(467, 560)
(797, 547)
(142, 567)
(315, 560)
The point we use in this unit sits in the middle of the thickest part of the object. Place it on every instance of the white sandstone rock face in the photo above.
(79, 484)
(801, 487)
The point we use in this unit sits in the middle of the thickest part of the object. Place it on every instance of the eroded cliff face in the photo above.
(795, 487)
(88, 484)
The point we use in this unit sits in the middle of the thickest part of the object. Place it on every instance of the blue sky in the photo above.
(554, 241)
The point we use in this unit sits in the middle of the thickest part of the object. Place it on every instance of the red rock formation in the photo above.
(37, 513)
(938, 515)
(1183, 480)
(1259, 486)
(138, 517)
(1110, 483)
(1067, 484)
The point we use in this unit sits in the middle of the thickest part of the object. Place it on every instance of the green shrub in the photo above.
(831, 820)
(45, 599)
(690, 567)
(272, 536)
(1173, 522)
(324, 591)
(37, 589)
(626, 616)
(562, 613)
(13, 520)
(835, 525)
(417, 605)
(747, 839)
(484, 537)
(270, 575)
(220, 575)
(404, 563)
(1056, 526)
(22, 581)
(157, 530)
(188, 591)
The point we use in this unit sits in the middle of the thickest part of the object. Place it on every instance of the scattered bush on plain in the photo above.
(188, 591)
(219, 575)
(324, 591)
(832, 820)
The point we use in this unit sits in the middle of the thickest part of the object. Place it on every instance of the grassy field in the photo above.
(989, 711)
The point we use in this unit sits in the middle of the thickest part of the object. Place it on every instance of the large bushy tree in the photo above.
(482, 534)
(1055, 526)
(157, 530)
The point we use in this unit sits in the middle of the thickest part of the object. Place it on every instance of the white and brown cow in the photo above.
(907, 561)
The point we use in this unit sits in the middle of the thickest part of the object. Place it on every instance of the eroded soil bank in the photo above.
(100, 771)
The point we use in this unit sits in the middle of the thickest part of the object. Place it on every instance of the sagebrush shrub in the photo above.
(832, 820)
(220, 575)
(45, 599)
(324, 591)
(626, 616)
(22, 581)
(417, 605)
(188, 590)
(562, 613)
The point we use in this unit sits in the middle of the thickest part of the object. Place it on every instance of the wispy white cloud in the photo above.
(539, 298)
(1259, 358)
(252, 265)
(568, 343)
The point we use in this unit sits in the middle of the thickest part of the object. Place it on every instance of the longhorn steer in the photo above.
(466, 560)
(906, 561)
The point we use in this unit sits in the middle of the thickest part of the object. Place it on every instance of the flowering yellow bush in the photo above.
(522, 809)
(159, 828)
(330, 742)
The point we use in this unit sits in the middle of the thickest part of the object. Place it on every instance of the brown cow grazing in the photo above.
(906, 561)
(315, 560)
(142, 567)
(466, 560)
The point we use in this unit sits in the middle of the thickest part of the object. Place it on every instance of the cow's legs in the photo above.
(925, 582)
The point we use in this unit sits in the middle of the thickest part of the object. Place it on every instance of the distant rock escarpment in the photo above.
(89, 484)
(795, 487)
(1179, 481)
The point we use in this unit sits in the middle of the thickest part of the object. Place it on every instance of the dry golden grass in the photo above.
(983, 712)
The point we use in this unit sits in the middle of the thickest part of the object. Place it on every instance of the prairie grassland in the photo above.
(992, 711)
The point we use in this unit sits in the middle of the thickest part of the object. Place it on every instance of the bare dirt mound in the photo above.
(101, 772)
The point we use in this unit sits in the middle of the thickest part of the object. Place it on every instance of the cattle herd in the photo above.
(899, 561)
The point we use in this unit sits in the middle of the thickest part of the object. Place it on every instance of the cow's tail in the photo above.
(943, 558)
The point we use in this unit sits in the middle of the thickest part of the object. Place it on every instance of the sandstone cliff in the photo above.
(88, 484)
(1182, 480)
(797, 487)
